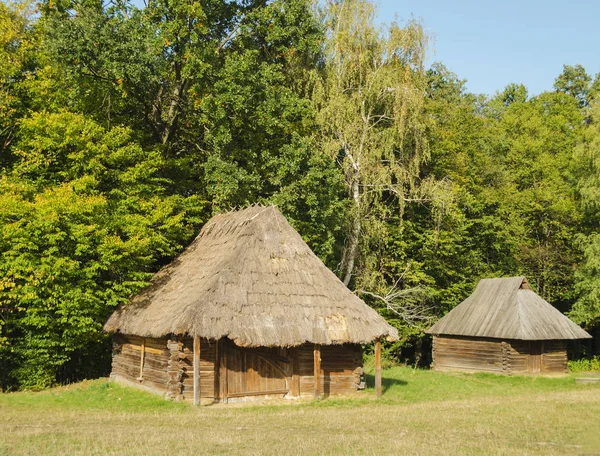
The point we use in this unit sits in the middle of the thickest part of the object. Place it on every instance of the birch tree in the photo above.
(371, 114)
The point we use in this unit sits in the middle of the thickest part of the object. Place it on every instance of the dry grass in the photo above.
(489, 415)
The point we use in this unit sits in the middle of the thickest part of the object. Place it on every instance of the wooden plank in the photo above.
(196, 370)
(378, 388)
(317, 370)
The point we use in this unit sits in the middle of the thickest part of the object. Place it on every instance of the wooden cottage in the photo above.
(246, 310)
(503, 327)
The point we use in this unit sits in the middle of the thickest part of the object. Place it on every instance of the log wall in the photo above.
(549, 356)
(554, 356)
(168, 368)
(208, 351)
(469, 354)
(341, 367)
(517, 356)
(126, 361)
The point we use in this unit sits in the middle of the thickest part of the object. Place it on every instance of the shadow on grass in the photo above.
(386, 382)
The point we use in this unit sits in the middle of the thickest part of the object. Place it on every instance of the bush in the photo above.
(585, 365)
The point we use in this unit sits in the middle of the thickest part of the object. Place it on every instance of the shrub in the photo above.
(585, 365)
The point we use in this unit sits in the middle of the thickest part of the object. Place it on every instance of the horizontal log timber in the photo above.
(138, 348)
(157, 383)
(259, 393)
(152, 361)
(133, 372)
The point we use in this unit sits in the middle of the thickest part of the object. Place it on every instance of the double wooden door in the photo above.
(255, 371)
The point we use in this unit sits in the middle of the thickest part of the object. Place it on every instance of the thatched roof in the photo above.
(250, 277)
(507, 308)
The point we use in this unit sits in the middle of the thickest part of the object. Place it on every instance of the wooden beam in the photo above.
(317, 359)
(258, 393)
(142, 356)
(378, 368)
(196, 370)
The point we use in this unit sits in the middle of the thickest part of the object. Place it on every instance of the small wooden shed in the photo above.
(503, 327)
(246, 310)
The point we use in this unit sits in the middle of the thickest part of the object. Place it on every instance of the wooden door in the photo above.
(256, 371)
(535, 357)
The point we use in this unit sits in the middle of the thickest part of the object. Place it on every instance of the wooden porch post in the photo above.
(378, 367)
(142, 358)
(196, 370)
(317, 359)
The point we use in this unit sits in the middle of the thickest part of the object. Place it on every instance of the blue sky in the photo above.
(494, 43)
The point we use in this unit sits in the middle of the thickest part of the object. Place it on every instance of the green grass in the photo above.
(421, 412)
(90, 395)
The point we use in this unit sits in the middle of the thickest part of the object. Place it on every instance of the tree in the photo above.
(371, 116)
(575, 81)
(85, 221)
(137, 66)
(536, 140)
(587, 161)
(17, 56)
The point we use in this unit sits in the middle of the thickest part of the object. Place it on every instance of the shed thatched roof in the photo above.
(507, 308)
(250, 277)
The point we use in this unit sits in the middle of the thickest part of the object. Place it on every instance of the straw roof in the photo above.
(507, 308)
(250, 277)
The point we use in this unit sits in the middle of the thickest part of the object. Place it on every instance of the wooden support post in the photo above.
(317, 358)
(223, 370)
(196, 370)
(378, 367)
(142, 356)
(217, 372)
(295, 382)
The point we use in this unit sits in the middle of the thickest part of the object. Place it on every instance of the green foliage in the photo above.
(587, 169)
(17, 58)
(538, 138)
(585, 365)
(84, 221)
(575, 81)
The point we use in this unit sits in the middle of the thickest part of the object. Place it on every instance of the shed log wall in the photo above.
(499, 356)
(467, 354)
(552, 358)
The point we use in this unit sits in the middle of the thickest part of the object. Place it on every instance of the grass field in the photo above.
(421, 412)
